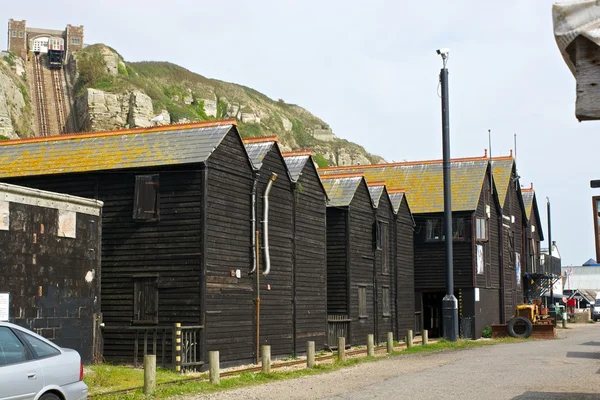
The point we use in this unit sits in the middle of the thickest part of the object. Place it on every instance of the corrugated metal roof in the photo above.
(423, 181)
(341, 190)
(258, 151)
(295, 165)
(376, 191)
(501, 171)
(135, 148)
(582, 278)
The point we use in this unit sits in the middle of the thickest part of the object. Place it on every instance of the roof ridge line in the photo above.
(297, 153)
(343, 175)
(162, 128)
(261, 139)
(403, 163)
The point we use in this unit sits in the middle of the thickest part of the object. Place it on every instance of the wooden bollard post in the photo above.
(265, 357)
(310, 354)
(177, 346)
(149, 374)
(341, 349)
(409, 338)
(215, 372)
(370, 345)
(390, 342)
(425, 337)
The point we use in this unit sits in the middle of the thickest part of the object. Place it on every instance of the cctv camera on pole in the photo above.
(449, 303)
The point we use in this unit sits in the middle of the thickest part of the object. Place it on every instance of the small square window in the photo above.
(75, 41)
(385, 293)
(14, 33)
(362, 302)
(21, 34)
(146, 199)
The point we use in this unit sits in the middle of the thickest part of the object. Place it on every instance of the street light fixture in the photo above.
(449, 303)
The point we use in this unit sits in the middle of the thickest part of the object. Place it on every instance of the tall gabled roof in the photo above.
(376, 189)
(530, 203)
(502, 172)
(130, 148)
(396, 198)
(423, 181)
(341, 188)
(295, 162)
(257, 152)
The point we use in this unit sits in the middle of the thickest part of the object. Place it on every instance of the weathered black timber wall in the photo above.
(169, 249)
(512, 223)
(337, 261)
(490, 279)
(53, 281)
(361, 264)
(533, 241)
(229, 301)
(430, 266)
(384, 215)
(276, 293)
(310, 269)
(405, 270)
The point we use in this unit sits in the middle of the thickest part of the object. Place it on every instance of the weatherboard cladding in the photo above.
(310, 262)
(277, 296)
(191, 250)
(423, 182)
(110, 151)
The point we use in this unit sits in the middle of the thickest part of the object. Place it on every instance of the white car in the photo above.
(32, 367)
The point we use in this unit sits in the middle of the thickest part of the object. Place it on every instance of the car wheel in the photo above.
(49, 396)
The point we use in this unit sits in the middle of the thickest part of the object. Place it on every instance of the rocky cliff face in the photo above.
(108, 93)
(16, 116)
(101, 111)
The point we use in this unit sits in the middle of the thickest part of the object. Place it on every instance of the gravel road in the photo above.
(566, 368)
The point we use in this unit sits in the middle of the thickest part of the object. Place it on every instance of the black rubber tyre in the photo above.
(49, 396)
(520, 327)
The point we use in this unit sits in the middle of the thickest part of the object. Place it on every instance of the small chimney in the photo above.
(511, 152)
(484, 153)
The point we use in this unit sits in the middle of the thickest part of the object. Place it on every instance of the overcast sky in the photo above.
(369, 69)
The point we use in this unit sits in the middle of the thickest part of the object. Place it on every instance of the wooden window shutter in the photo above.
(145, 301)
(146, 201)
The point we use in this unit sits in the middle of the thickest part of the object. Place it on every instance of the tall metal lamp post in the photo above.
(449, 303)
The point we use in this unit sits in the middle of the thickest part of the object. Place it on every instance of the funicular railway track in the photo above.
(40, 95)
(59, 96)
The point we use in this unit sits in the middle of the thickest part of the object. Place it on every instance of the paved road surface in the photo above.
(566, 368)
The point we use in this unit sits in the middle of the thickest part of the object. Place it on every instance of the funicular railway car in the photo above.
(56, 52)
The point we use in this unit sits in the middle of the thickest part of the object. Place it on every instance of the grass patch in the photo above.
(108, 378)
(443, 345)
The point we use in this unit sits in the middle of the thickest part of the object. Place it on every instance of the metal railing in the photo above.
(337, 326)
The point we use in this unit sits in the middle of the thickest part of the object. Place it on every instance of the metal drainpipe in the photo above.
(253, 232)
(266, 224)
